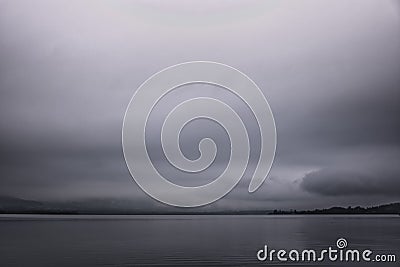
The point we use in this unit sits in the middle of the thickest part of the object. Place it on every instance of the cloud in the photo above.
(329, 72)
(359, 178)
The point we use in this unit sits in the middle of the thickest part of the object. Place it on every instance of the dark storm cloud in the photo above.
(352, 182)
(367, 117)
(368, 171)
(330, 72)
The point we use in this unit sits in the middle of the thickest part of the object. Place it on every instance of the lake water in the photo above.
(208, 240)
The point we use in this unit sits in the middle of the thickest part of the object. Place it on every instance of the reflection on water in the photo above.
(184, 240)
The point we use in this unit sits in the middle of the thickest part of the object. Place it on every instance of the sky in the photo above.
(329, 70)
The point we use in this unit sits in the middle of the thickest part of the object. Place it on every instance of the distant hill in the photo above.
(393, 208)
(13, 205)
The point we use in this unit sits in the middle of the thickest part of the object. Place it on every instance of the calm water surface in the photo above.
(185, 240)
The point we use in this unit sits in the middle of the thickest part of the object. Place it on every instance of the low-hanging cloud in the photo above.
(364, 176)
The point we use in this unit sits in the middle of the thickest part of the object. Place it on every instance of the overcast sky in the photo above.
(330, 72)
